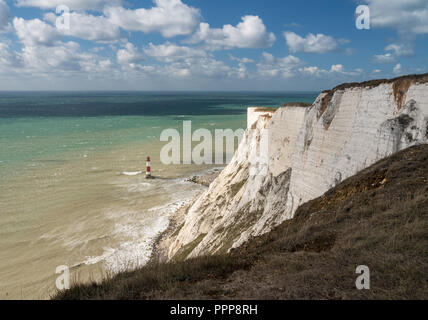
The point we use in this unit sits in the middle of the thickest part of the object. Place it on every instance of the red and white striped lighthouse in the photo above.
(148, 173)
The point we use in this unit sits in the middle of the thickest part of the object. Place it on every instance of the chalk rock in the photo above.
(295, 154)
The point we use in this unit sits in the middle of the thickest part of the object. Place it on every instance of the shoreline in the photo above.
(176, 220)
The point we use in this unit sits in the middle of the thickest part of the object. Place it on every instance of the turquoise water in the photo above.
(24, 139)
(66, 194)
(42, 124)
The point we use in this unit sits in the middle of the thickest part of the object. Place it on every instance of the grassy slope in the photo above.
(377, 218)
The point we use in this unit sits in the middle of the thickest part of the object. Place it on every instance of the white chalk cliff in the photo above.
(295, 154)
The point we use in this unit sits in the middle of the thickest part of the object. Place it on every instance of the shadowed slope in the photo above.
(376, 218)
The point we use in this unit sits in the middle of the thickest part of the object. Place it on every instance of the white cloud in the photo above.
(398, 69)
(249, 33)
(336, 68)
(4, 16)
(72, 4)
(400, 49)
(384, 58)
(319, 43)
(88, 27)
(270, 67)
(340, 69)
(313, 70)
(334, 71)
(395, 50)
(169, 17)
(171, 52)
(406, 17)
(105, 64)
(35, 32)
(8, 58)
(61, 60)
(293, 25)
(188, 68)
(45, 55)
(129, 55)
(206, 67)
(241, 60)
(242, 71)
(268, 58)
(409, 18)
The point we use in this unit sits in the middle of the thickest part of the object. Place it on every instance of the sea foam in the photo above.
(134, 173)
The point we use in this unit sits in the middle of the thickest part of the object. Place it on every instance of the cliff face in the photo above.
(355, 128)
(248, 196)
(296, 154)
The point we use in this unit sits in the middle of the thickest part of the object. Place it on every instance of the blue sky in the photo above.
(207, 45)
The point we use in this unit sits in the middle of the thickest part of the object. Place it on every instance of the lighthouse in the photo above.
(148, 172)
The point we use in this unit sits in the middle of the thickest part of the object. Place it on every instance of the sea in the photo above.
(73, 191)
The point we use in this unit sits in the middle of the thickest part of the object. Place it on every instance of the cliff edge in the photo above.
(294, 154)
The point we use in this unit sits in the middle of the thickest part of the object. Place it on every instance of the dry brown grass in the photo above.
(265, 109)
(155, 280)
(377, 218)
(297, 104)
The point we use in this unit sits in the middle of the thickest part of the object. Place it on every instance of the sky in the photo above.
(207, 45)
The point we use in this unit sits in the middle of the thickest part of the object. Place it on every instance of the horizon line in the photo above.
(166, 91)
